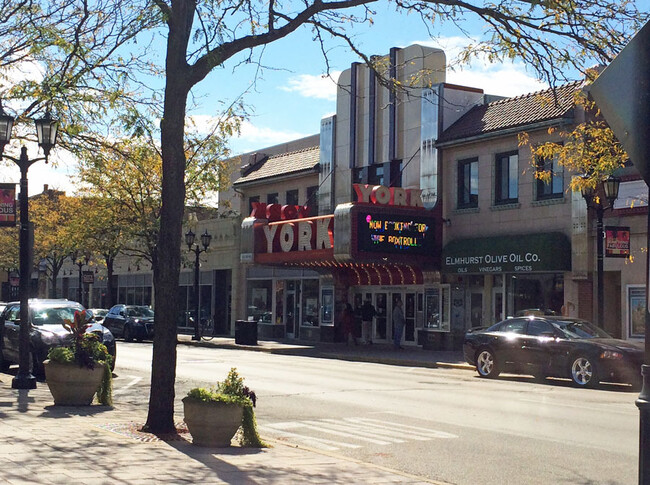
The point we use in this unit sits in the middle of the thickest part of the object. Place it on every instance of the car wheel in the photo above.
(583, 372)
(486, 364)
(128, 334)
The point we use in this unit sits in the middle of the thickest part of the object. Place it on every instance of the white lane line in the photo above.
(123, 389)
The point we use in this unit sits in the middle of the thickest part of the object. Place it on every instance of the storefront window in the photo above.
(542, 292)
(310, 305)
(636, 302)
(437, 308)
(259, 299)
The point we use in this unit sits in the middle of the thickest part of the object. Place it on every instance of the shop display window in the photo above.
(310, 306)
(259, 300)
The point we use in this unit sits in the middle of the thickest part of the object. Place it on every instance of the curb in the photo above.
(333, 355)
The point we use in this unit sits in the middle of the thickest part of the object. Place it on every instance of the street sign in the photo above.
(622, 92)
(88, 277)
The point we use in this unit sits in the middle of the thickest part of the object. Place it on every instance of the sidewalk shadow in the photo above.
(55, 412)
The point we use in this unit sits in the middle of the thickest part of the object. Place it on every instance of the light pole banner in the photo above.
(617, 242)
(7, 205)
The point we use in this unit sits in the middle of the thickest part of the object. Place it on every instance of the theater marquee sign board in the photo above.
(384, 222)
(531, 253)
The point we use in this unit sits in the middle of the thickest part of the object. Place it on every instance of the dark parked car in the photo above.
(553, 346)
(130, 322)
(46, 331)
(98, 314)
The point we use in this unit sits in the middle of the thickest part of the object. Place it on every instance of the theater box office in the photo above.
(496, 277)
(385, 246)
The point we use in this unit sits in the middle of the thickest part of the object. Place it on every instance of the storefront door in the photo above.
(292, 309)
(381, 319)
(408, 307)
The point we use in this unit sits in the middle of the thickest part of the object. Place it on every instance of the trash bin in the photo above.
(245, 332)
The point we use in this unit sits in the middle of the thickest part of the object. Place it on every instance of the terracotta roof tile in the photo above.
(283, 164)
(514, 112)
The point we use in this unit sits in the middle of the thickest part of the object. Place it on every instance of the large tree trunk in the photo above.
(163, 371)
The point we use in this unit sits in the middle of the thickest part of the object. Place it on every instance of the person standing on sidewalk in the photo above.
(398, 324)
(348, 325)
(367, 314)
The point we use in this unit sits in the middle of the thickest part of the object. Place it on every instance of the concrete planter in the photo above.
(212, 423)
(72, 385)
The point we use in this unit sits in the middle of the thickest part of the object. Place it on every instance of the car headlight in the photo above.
(610, 354)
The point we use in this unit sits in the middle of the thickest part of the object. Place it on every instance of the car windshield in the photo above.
(139, 311)
(53, 315)
(580, 329)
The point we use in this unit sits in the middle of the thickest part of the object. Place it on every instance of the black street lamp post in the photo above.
(46, 129)
(76, 259)
(205, 242)
(610, 188)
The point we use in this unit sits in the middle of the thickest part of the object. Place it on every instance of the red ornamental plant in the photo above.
(87, 349)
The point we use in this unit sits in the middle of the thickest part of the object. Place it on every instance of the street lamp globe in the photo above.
(587, 192)
(189, 238)
(46, 130)
(610, 187)
(205, 239)
(6, 124)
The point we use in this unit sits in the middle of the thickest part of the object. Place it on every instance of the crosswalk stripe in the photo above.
(318, 427)
(432, 433)
(322, 443)
(387, 431)
(369, 430)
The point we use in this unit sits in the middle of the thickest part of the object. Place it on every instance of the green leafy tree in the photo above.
(53, 240)
(588, 149)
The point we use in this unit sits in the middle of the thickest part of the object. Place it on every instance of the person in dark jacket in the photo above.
(367, 314)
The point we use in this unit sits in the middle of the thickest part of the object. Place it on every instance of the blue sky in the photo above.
(291, 96)
(289, 99)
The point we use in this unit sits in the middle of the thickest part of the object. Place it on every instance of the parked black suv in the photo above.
(46, 331)
(130, 322)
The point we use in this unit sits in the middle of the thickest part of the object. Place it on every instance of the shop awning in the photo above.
(360, 274)
(529, 253)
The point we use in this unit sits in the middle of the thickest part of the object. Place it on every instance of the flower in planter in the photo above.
(232, 390)
(86, 351)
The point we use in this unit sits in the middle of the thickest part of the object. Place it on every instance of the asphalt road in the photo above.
(442, 424)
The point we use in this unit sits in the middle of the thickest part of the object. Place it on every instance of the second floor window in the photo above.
(552, 187)
(292, 197)
(468, 183)
(312, 200)
(251, 200)
(272, 198)
(506, 178)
